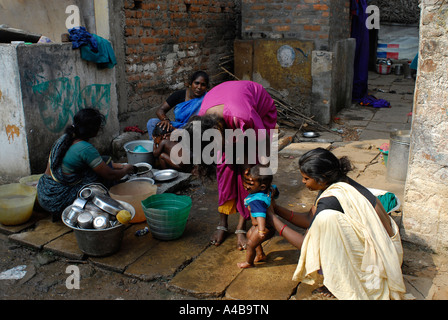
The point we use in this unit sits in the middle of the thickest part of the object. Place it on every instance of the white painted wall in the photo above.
(14, 158)
(46, 17)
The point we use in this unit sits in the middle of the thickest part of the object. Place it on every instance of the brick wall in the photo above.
(165, 42)
(324, 21)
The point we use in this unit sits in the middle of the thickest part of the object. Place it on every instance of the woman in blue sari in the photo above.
(74, 162)
(186, 103)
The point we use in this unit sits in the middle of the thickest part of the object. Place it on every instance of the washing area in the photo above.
(133, 201)
(99, 216)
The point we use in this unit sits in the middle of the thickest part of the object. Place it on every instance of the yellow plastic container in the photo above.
(31, 180)
(16, 203)
(133, 192)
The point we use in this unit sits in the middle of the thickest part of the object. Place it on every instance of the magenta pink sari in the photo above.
(246, 105)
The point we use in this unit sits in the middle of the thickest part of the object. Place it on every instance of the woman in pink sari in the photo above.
(236, 105)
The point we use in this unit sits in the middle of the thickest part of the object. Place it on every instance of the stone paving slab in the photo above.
(66, 246)
(44, 232)
(165, 258)
(365, 151)
(210, 274)
(252, 283)
(132, 247)
(299, 148)
(35, 216)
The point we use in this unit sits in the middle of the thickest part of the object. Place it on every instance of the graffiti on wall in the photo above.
(59, 100)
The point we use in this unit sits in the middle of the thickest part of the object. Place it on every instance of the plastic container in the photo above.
(99, 242)
(383, 68)
(16, 203)
(397, 166)
(31, 180)
(137, 157)
(134, 192)
(167, 215)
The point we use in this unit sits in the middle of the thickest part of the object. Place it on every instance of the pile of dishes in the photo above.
(95, 209)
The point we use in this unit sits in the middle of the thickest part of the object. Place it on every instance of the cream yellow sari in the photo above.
(357, 257)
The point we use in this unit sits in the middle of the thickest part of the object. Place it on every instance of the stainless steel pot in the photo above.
(99, 242)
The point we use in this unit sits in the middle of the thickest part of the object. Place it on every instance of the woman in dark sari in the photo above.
(74, 162)
(186, 103)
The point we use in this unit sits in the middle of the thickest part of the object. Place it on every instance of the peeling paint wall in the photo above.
(14, 158)
(425, 211)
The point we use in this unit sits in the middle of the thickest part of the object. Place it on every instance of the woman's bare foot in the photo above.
(244, 265)
(219, 236)
(324, 292)
(241, 239)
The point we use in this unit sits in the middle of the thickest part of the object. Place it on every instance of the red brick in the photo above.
(311, 28)
(148, 40)
(282, 28)
(258, 7)
(320, 7)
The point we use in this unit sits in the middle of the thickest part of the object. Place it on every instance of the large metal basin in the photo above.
(96, 242)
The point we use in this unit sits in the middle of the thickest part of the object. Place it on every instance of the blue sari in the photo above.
(185, 110)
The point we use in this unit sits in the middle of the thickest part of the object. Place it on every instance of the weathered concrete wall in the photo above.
(53, 83)
(46, 17)
(425, 211)
(14, 157)
(322, 79)
(283, 65)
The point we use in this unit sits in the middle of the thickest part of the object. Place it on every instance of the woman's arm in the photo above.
(115, 174)
(384, 217)
(293, 237)
(161, 114)
(301, 219)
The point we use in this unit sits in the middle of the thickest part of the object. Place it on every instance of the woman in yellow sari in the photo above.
(351, 246)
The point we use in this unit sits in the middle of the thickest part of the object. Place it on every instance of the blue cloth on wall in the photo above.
(104, 57)
(93, 47)
(79, 37)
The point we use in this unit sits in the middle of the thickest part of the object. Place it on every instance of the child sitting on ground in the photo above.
(258, 201)
(162, 150)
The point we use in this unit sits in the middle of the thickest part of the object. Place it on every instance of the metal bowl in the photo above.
(94, 189)
(143, 167)
(151, 181)
(310, 134)
(107, 204)
(165, 175)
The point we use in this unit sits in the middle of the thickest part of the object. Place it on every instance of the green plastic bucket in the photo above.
(167, 214)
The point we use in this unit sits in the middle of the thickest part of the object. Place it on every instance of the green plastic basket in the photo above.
(167, 214)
